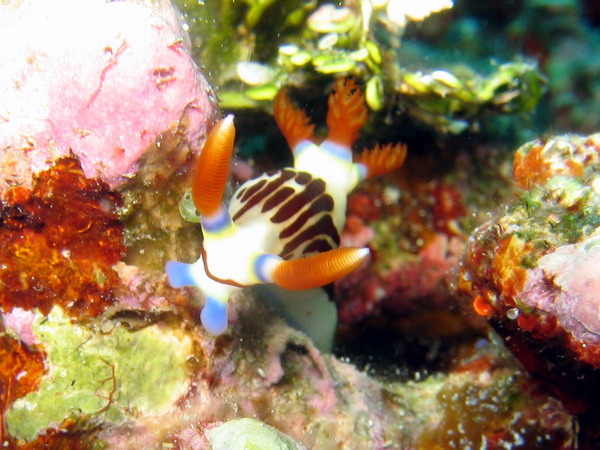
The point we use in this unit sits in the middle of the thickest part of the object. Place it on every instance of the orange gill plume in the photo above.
(293, 122)
(347, 112)
(212, 169)
(382, 159)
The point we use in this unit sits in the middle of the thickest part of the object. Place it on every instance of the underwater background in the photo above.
(468, 133)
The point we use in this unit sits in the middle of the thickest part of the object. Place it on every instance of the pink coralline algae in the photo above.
(118, 81)
(566, 284)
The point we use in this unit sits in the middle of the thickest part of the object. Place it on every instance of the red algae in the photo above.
(415, 230)
(448, 209)
(20, 373)
(58, 243)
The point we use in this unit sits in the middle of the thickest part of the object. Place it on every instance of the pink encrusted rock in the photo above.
(566, 285)
(102, 80)
(271, 372)
(19, 321)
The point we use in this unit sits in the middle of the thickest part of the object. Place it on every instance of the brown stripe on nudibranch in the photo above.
(323, 226)
(277, 198)
(318, 246)
(267, 189)
(253, 189)
(303, 178)
(295, 205)
(240, 192)
(313, 190)
(323, 204)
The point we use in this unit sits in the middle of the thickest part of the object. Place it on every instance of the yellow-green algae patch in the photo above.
(101, 376)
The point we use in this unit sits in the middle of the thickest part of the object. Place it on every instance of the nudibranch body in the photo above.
(282, 227)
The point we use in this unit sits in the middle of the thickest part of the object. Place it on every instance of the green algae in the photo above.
(306, 44)
(454, 99)
(101, 376)
(563, 211)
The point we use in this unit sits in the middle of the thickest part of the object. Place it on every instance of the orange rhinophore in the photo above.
(212, 170)
(318, 270)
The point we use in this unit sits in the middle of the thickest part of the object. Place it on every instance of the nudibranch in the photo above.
(282, 227)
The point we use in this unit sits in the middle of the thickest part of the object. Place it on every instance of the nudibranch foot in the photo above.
(381, 159)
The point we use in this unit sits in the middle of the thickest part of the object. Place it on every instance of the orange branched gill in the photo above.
(58, 243)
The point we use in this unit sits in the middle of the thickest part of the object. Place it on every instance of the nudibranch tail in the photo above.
(347, 112)
(382, 159)
(293, 123)
(212, 170)
(318, 270)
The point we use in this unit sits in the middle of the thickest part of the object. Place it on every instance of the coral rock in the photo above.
(534, 271)
(106, 90)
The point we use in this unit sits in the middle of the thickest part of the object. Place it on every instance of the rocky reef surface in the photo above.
(99, 127)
